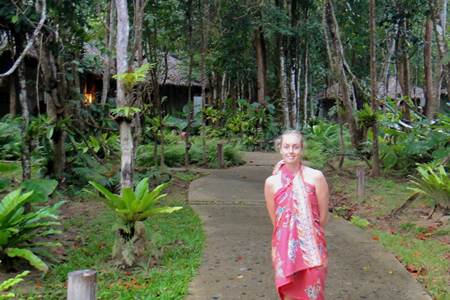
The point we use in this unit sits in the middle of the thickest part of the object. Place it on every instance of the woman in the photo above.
(297, 202)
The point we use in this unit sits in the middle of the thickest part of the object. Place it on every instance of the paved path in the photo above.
(236, 261)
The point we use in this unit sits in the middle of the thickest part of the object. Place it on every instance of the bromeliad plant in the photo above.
(433, 183)
(132, 208)
(20, 230)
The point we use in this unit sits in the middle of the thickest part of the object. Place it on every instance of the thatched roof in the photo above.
(392, 90)
(176, 73)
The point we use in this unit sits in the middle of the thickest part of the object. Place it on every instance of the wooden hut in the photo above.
(328, 97)
(174, 85)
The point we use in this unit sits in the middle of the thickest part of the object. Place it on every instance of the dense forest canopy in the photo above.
(300, 60)
(104, 95)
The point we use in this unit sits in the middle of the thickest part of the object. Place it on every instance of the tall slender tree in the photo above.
(431, 104)
(261, 66)
(440, 24)
(340, 69)
(373, 86)
(126, 137)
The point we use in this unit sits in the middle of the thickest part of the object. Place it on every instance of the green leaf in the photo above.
(9, 283)
(42, 188)
(11, 203)
(114, 201)
(390, 159)
(26, 254)
(157, 211)
(128, 197)
(4, 183)
(141, 188)
(4, 236)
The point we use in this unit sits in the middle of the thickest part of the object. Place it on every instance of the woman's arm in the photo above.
(322, 197)
(269, 195)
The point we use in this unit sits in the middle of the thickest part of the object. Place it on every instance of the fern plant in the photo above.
(434, 183)
(20, 229)
(9, 283)
(133, 207)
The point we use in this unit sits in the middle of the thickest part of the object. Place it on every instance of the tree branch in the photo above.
(30, 42)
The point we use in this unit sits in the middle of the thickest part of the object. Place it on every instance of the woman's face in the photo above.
(291, 148)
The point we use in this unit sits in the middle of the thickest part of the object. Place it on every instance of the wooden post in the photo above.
(361, 183)
(82, 285)
(220, 159)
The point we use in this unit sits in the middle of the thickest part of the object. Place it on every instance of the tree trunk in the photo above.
(138, 54)
(223, 91)
(204, 17)
(337, 61)
(373, 85)
(189, 104)
(431, 105)
(26, 140)
(12, 95)
(403, 60)
(109, 41)
(215, 93)
(305, 91)
(261, 65)
(293, 96)
(295, 70)
(54, 93)
(283, 89)
(384, 75)
(440, 18)
(126, 138)
(341, 140)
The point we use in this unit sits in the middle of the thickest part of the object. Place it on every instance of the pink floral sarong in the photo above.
(298, 241)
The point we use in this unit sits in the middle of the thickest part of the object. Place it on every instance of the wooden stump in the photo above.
(82, 285)
(220, 156)
(361, 183)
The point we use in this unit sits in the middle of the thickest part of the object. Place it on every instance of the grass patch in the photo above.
(186, 176)
(427, 257)
(178, 239)
(418, 243)
(382, 194)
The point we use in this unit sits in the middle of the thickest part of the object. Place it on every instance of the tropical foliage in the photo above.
(432, 182)
(401, 148)
(133, 207)
(22, 232)
(9, 283)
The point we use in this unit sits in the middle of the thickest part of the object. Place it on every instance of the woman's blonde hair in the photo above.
(279, 140)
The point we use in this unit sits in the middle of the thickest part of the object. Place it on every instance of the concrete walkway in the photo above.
(236, 261)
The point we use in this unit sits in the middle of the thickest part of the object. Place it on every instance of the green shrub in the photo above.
(20, 229)
(88, 169)
(360, 222)
(174, 154)
(42, 189)
(424, 142)
(10, 138)
(133, 207)
(6, 167)
(433, 183)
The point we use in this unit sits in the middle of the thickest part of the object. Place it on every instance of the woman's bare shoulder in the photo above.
(271, 180)
(313, 174)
